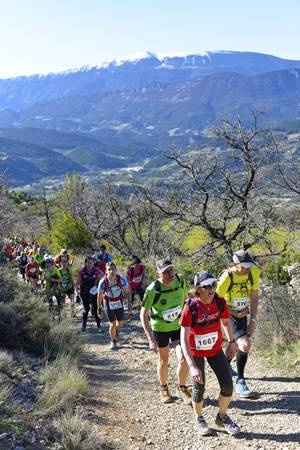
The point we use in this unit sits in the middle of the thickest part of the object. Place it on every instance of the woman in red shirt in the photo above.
(201, 337)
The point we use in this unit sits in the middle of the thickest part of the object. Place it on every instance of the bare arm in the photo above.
(227, 326)
(146, 325)
(100, 300)
(253, 312)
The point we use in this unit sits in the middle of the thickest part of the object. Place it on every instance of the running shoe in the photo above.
(202, 427)
(99, 329)
(184, 393)
(230, 426)
(113, 345)
(83, 329)
(165, 395)
(242, 389)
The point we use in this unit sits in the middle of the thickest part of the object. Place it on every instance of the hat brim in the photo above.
(207, 282)
(246, 265)
(163, 269)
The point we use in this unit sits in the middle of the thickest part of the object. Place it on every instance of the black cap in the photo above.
(243, 258)
(136, 260)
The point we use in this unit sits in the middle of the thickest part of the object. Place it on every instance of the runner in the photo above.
(136, 274)
(87, 282)
(201, 337)
(67, 284)
(32, 272)
(111, 293)
(63, 254)
(52, 279)
(102, 258)
(163, 301)
(239, 285)
(22, 261)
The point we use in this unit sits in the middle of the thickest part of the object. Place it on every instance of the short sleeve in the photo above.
(186, 317)
(223, 284)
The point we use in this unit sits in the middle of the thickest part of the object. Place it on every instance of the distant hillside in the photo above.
(126, 113)
(161, 114)
(26, 162)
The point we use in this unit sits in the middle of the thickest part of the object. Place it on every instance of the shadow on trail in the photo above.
(286, 404)
(278, 437)
(276, 379)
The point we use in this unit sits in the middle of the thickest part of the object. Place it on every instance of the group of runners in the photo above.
(194, 321)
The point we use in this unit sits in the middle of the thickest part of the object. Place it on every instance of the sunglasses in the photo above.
(209, 286)
(111, 269)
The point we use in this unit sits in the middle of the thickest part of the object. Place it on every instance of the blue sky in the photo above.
(41, 36)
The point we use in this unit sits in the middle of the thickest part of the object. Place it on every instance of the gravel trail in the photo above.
(124, 409)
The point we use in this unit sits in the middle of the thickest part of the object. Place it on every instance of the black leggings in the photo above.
(88, 299)
(220, 367)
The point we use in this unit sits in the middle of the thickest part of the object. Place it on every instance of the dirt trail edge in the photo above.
(125, 412)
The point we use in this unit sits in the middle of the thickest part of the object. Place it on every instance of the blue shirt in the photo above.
(114, 290)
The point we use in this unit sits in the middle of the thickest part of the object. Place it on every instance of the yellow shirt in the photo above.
(239, 296)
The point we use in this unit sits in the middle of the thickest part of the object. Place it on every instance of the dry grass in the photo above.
(6, 362)
(64, 385)
(75, 431)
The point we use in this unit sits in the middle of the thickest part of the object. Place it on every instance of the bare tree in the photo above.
(289, 171)
(226, 195)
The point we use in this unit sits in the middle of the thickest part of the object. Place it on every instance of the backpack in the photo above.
(193, 305)
(232, 283)
(118, 282)
(88, 279)
(158, 291)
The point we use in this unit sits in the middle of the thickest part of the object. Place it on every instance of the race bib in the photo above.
(137, 279)
(33, 270)
(206, 341)
(115, 305)
(94, 290)
(239, 304)
(172, 314)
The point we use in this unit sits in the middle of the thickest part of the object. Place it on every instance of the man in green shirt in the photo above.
(163, 302)
(239, 286)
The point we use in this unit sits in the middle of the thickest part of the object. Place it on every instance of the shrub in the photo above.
(75, 431)
(279, 312)
(63, 338)
(9, 331)
(6, 362)
(9, 283)
(64, 385)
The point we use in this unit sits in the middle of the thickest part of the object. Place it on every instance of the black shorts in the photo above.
(68, 292)
(113, 314)
(163, 338)
(239, 327)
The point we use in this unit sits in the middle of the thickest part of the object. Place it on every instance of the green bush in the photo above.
(9, 283)
(276, 269)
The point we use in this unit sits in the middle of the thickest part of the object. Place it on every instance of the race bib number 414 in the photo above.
(206, 341)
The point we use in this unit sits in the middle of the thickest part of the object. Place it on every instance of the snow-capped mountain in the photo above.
(135, 72)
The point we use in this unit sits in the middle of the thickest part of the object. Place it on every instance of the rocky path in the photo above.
(125, 412)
